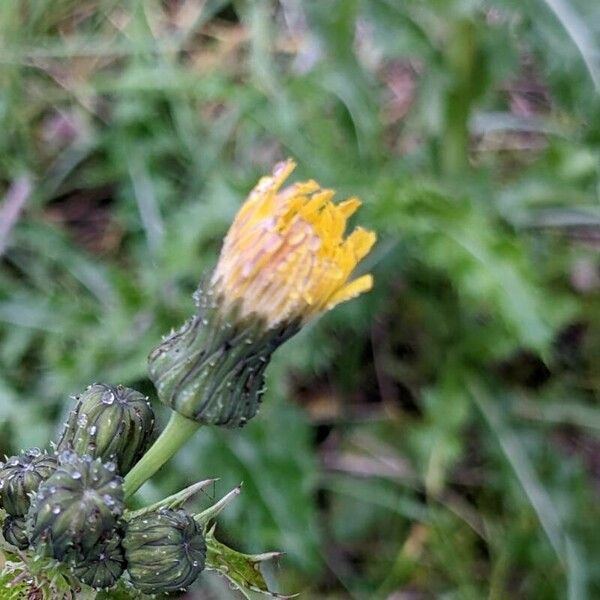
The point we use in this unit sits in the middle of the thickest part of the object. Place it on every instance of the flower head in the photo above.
(285, 257)
(284, 261)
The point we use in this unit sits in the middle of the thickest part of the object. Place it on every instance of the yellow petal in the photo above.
(351, 290)
(285, 257)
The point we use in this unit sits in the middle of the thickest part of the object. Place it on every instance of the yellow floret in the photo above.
(285, 257)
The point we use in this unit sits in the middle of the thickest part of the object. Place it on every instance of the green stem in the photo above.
(178, 431)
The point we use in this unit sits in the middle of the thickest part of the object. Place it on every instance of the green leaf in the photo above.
(242, 570)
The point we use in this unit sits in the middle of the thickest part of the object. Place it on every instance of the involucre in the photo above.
(14, 530)
(77, 506)
(102, 566)
(165, 551)
(21, 476)
(110, 422)
(212, 369)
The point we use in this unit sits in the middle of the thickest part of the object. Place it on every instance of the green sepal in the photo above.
(212, 369)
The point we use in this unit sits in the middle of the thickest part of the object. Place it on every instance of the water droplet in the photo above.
(93, 429)
(35, 452)
(56, 509)
(108, 398)
(108, 500)
(82, 420)
(76, 475)
(110, 466)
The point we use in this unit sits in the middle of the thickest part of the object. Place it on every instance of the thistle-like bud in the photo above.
(284, 261)
(102, 566)
(76, 507)
(165, 551)
(14, 531)
(110, 422)
(21, 476)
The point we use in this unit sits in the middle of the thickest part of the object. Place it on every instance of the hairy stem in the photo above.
(178, 431)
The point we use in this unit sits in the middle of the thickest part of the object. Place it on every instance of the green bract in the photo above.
(76, 507)
(21, 476)
(15, 532)
(165, 551)
(212, 369)
(102, 566)
(110, 422)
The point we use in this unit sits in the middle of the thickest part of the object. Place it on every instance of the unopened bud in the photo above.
(76, 507)
(21, 476)
(14, 531)
(102, 566)
(112, 423)
(165, 551)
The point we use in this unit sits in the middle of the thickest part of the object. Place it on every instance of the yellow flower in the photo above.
(285, 258)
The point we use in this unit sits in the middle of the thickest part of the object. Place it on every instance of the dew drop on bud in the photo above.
(108, 398)
(108, 500)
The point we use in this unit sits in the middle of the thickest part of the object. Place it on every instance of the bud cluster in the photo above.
(68, 505)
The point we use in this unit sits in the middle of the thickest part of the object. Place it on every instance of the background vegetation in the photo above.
(440, 436)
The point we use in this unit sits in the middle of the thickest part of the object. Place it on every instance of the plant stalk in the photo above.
(178, 431)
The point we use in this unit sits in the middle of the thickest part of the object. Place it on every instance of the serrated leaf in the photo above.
(242, 570)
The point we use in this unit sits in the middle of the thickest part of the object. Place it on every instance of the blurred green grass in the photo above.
(439, 436)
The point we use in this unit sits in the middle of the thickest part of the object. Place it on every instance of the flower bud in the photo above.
(111, 423)
(76, 507)
(21, 476)
(165, 551)
(102, 566)
(14, 530)
(285, 260)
